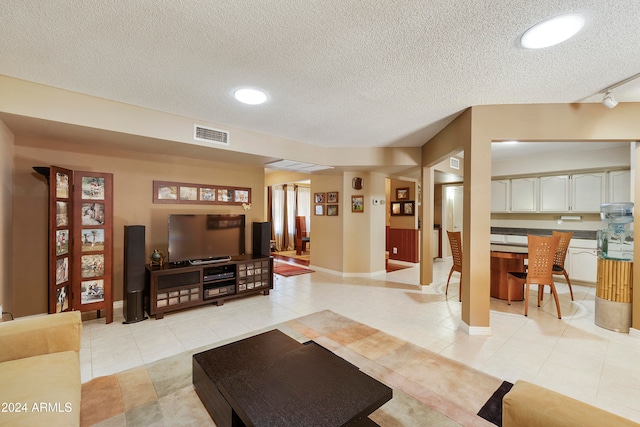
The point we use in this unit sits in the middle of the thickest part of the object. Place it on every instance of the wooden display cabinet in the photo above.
(170, 287)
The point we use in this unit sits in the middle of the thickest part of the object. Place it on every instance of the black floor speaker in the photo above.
(134, 274)
(262, 238)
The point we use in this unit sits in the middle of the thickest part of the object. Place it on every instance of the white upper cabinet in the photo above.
(524, 192)
(500, 195)
(554, 193)
(619, 186)
(588, 191)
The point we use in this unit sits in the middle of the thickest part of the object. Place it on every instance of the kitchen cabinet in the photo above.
(500, 195)
(588, 192)
(582, 263)
(524, 193)
(619, 186)
(554, 193)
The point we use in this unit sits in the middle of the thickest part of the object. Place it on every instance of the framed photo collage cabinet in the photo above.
(80, 241)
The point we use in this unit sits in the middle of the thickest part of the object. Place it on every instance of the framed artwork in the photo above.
(396, 208)
(92, 214)
(180, 192)
(332, 197)
(92, 265)
(188, 193)
(92, 240)
(92, 188)
(207, 194)
(357, 204)
(92, 291)
(62, 270)
(319, 210)
(408, 208)
(332, 210)
(241, 196)
(62, 242)
(402, 193)
(62, 185)
(62, 299)
(62, 214)
(319, 198)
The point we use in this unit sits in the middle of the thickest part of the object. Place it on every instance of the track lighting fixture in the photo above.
(608, 100)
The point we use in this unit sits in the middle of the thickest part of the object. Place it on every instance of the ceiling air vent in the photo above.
(454, 163)
(206, 134)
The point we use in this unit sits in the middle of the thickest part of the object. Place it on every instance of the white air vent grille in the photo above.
(454, 163)
(203, 133)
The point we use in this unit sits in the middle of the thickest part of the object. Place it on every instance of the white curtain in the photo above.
(291, 216)
(278, 215)
(304, 205)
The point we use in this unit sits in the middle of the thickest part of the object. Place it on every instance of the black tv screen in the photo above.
(202, 236)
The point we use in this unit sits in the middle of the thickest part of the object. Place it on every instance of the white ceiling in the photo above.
(338, 72)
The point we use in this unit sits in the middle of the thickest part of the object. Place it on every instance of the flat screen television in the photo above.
(202, 237)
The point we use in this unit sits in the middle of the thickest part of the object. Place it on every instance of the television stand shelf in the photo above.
(170, 288)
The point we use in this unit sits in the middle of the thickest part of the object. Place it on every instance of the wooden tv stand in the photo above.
(170, 287)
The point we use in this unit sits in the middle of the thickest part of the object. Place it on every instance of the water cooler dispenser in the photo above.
(615, 268)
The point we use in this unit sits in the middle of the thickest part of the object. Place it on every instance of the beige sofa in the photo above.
(529, 405)
(40, 371)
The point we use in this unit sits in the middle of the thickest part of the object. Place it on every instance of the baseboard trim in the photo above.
(475, 330)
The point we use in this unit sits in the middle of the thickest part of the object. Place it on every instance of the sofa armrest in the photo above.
(529, 405)
(40, 335)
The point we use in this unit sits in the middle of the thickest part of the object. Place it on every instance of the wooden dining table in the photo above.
(506, 258)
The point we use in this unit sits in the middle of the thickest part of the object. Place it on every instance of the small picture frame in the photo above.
(408, 208)
(357, 204)
(93, 188)
(332, 210)
(241, 196)
(167, 192)
(62, 299)
(92, 240)
(332, 197)
(402, 193)
(62, 185)
(188, 193)
(319, 198)
(396, 208)
(207, 194)
(62, 242)
(319, 210)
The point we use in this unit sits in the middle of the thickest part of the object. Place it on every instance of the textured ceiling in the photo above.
(337, 72)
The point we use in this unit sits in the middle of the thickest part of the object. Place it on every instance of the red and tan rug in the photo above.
(288, 270)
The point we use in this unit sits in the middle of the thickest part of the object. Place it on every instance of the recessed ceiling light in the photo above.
(552, 31)
(250, 96)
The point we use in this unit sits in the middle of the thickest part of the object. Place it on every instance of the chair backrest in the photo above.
(563, 245)
(542, 250)
(455, 241)
(301, 227)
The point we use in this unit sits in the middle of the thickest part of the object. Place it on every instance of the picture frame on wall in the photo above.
(402, 193)
(332, 197)
(201, 194)
(396, 208)
(319, 210)
(319, 198)
(408, 208)
(357, 204)
(332, 210)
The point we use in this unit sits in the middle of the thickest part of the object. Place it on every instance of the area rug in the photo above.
(288, 270)
(492, 410)
(428, 389)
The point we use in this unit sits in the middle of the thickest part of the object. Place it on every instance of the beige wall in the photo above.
(475, 130)
(6, 217)
(327, 231)
(134, 174)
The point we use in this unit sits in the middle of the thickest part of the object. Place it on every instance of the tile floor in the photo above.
(572, 355)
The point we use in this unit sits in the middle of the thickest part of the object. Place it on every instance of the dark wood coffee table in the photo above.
(272, 380)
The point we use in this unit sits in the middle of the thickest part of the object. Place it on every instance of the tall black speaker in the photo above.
(134, 274)
(262, 238)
